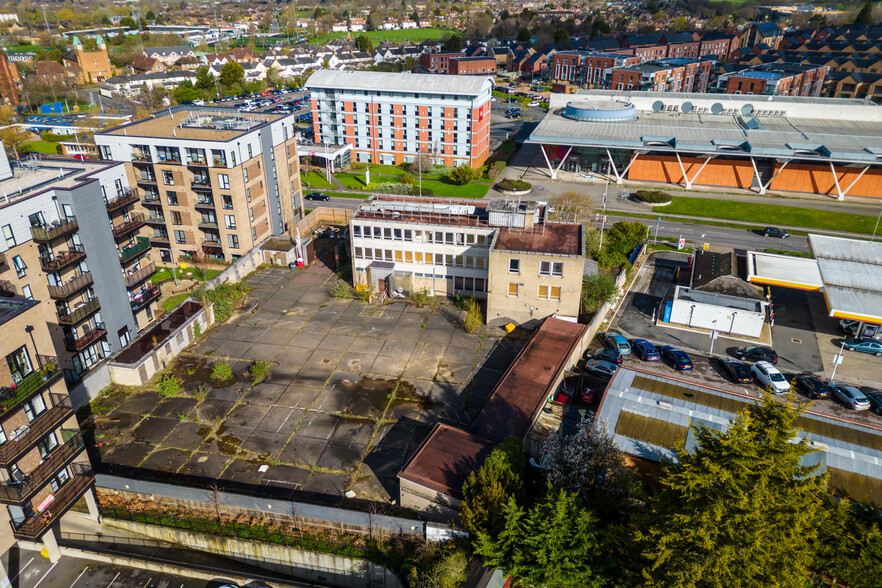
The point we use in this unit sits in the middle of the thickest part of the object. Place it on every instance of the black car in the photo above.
(738, 372)
(318, 196)
(757, 354)
(775, 232)
(677, 358)
(875, 398)
(812, 387)
(610, 355)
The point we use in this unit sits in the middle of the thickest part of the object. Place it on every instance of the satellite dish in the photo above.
(747, 109)
(716, 108)
(658, 106)
(686, 107)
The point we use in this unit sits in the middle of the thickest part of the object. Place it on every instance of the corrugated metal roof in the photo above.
(770, 268)
(851, 271)
(397, 82)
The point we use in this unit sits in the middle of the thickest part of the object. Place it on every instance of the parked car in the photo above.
(737, 371)
(811, 386)
(677, 358)
(645, 350)
(871, 346)
(850, 396)
(849, 326)
(601, 368)
(775, 232)
(606, 354)
(318, 196)
(615, 340)
(757, 354)
(768, 376)
(875, 398)
(534, 104)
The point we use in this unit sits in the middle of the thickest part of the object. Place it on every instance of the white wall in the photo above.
(745, 322)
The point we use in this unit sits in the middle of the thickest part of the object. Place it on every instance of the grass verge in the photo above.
(45, 147)
(172, 302)
(412, 35)
(164, 273)
(314, 180)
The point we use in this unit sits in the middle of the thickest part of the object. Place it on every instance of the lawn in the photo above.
(25, 48)
(771, 214)
(46, 147)
(314, 180)
(172, 302)
(440, 188)
(412, 35)
(163, 273)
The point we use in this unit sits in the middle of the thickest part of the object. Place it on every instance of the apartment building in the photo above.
(472, 66)
(505, 252)
(438, 63)
(587, 69)
(391, 118)
(74, 239)
(662, 75)
(44, 468)
(775, 79)
(213, 182)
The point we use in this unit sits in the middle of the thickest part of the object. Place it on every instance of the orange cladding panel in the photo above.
(818, 179)
(662, 168)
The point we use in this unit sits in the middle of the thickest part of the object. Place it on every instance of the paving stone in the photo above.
(318, 325)
(205, 465)
(294, 355)
(248, 333)
(265, 445)
(211, 409)
(165, 460)
(341, 457)
(303, 450)
(243, 472)
(351, 432)
(227, 393)
(305, 340)
(326, 486)
(357, 361)
(173, 407)
(263, 352)
(235, 349)
(247, 416)
(325, 358)
(280, 420)
(276, 336)
(186, 435)
(318, 425)
(154, 429)
(399, 349)
(286, 476)
(388, 366)
(298, 396)
(336, 342)
(266, 393)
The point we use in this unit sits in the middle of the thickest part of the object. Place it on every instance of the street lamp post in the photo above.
(837, 359)
(713, 337)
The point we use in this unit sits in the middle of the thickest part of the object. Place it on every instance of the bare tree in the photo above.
(572, 206)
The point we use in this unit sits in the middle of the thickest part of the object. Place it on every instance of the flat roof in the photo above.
(650, 414)
(12, 307)
(211, 124)
(851, 271)
(397, 82)
(783, 270)
(556, 238)
(38, 175)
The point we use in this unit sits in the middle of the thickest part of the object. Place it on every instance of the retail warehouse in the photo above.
(829, 146)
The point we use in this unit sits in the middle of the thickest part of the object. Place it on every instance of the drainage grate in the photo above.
(796, 341)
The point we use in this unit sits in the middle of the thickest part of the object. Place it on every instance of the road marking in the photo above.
(80, 576)
(111, 582)
(46, 574)
(12, 579)
(147, 583)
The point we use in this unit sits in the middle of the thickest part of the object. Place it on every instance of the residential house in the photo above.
(88, 66)
(168, 55)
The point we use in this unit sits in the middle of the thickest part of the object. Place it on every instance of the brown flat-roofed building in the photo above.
(472, 66)
(560, 238)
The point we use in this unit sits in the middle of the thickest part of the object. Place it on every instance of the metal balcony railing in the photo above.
(205, 203)
(75, 285)
(36, 526)
(136, 221)
(51, 464)
(200, 161)
(128, 253)
(53, 263)
(36, 381)
(125, 197)
(30, 434)
(54, 230)
(79, 314)
(145, 297)
(155, 219)
(139, 276)
(72, 344)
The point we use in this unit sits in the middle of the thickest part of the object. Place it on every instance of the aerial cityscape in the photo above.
(440, 294)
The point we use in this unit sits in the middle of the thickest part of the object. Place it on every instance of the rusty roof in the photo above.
(446, 459)
(557, 238)
(522, 391)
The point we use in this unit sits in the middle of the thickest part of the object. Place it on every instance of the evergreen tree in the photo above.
(453, 44)
(204, 78)
(554, 544)
(488, 490)
(865, 16)
(738, 511)
(560, 35)
(850, 546)
(364, 43)
(231, 74)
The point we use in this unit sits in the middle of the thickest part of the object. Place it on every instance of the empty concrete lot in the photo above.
(353, 390)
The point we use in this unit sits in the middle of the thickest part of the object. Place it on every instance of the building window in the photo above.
(234, 241)
(549, 293)
(26, 292)
(253, 234)
(19, 362)
(46, 446)
(514, 266)
(223, 181)
(230, 221)
(548, 268)
(168, 178)
(248, 194)
(227, 200)
(180, 238)
(7, 234)
(34, 407)
(176, 217)
(172, 198)
(250, 153)
(513, 289)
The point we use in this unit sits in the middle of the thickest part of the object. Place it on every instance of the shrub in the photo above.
(197, 330)
(224, 297)
(221, 372)
(420, 299)
(474, 318)
(597, 290)
(513, 186)
(202, 391)
(259, 372)
(462, 175)
(169, 386)
(496, 170)
(407, 179)
(342, 291)
(652, 196)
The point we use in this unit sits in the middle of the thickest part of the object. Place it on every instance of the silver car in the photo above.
(850, 396)
(601, 367)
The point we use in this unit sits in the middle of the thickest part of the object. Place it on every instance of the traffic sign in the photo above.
(681, 243)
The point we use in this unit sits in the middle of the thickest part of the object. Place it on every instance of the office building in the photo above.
(505, 252)
(214, 182)
(775, 79)
(392, 118)
(73, 239)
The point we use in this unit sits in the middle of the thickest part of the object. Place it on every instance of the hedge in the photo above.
(653, 196)
(513, 186)
(496, 170)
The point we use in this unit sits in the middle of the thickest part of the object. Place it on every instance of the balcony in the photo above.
(36, 381)
(136, 221)
(155, 219)
(124, 198)
(128, 253)
(148, 180)
(208, 224)
(139, 276)
(78, 314)
(35, 527)
(36, 430)
(74, 285)
(62, 259)
(72, 344)
(197, 161)
(151, 199)
(160, 240)
(141, 156)
(60, 457)
(54, 230)
(207, 203)
(145, 297)
(201, 185)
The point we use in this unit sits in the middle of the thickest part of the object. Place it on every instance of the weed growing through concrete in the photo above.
(259, 372)
(169, 386)
(221, 372)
